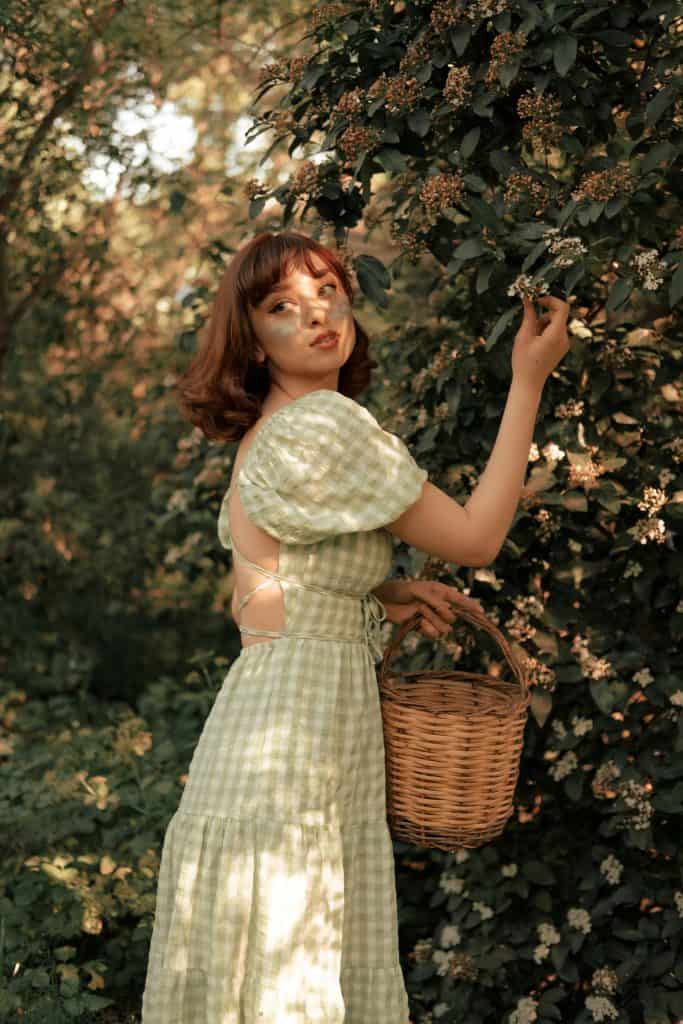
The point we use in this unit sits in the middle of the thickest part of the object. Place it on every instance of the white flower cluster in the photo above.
(580, 726)
(451, 883)
(601, 1008)
(632, 569)
(566, 250)
(440, 1009)
(558, 728)
(678, 900)
(462, 855)
(643, 677)
(509, 870)
(565, 766)
(604, 980)
(636, 796)
(548, 933)
(549, 936)
(677, 698)
(649, 266)
(522, 286)
(579, 919)
(484, 909)
(552, 452)
(612, 869)
(541, 952)
(443, 959)
(525, 1012)
(605, 774)
(450, 935)
(179, 501)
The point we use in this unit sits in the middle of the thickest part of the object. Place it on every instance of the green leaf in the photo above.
(603, 697)
(538, 873)
(575, 501)
(373, 278)
(419, 122)
(256, 205)
(663, 151)
(391, 159)
(500, 326)
(541, 705)
(484, 276)
(509, 71)
(460, 37)
(470, 142)
(658, 104)
(564, 54)
(619, 293)
(470, 249)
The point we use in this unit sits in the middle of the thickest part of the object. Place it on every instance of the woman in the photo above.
(276, 897)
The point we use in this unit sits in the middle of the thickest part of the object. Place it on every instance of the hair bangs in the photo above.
(268, 265)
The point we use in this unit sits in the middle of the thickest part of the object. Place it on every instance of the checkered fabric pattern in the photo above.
(276, 899)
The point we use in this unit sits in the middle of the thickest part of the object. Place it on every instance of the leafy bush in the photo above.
(84, 803)
(522, 148)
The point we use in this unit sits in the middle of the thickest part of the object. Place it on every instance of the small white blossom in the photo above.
(440, 1009)
(601, 1008)
(678, 900)
(540, 952)
(677, 698)
(612, 869)
(443, 958)
(580, 726)
(525, 1012)
(604, 980)
(509, 870)
(643, 677)
(484, 909)
(451, 883)
(580, 919)
(564, 767)
(650, 268)
(179, 501)
(548, 933)
(450, 935)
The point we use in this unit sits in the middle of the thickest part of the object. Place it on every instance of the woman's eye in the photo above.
(329, 284)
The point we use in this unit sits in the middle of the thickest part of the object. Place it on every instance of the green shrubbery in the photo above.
(525, 148)
(83, 806)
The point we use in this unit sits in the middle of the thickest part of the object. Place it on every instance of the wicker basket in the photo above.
(453, 743)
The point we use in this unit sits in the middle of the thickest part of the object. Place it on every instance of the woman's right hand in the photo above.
(540, 343)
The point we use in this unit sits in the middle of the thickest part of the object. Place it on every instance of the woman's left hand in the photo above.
(434, 600)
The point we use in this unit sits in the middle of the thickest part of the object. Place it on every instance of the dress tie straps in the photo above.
(374, 614)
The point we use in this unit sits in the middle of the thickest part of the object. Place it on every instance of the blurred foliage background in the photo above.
(456, 155)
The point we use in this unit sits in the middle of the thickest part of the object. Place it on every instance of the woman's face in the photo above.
(289, 319)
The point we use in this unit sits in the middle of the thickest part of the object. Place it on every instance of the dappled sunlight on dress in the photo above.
(276, 898)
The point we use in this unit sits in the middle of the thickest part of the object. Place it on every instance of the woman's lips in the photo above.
(328, 342)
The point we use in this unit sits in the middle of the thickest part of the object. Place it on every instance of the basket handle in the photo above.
(475, 618)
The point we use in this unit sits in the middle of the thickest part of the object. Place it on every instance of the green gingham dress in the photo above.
(276, 899)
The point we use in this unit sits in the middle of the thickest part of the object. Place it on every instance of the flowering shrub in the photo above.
(508, 149)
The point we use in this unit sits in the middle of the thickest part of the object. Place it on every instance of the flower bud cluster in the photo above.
(441, 191)
(541, 113)
(504, 49)
(605, 184)
(519, 187)
(458, 86)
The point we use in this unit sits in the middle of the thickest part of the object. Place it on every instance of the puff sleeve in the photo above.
(323, 465)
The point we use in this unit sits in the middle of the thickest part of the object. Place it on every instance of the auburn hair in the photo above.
(224, 387)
